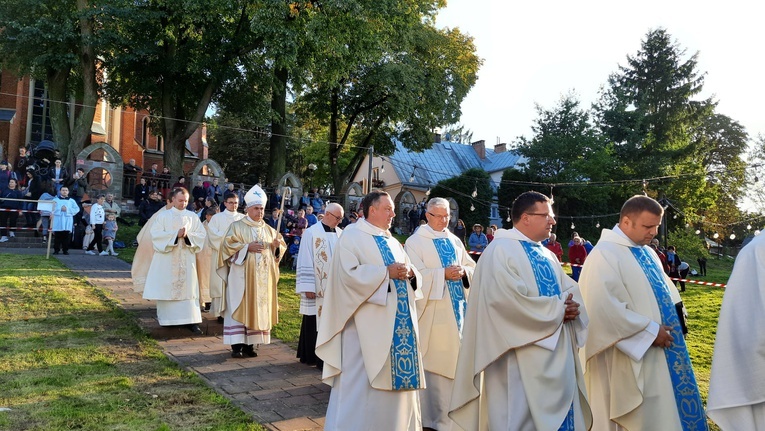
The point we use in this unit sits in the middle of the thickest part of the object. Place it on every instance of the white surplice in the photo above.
(172, 278)
(518, 367)
(356, 334)
(316, 249)
(143, 254)
(736, 398)
(439, 335)
(628, 381)
(216, 229)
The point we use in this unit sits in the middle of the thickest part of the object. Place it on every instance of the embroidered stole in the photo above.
(403, 351)
(547, 283)
(448, 256)
(687, 397)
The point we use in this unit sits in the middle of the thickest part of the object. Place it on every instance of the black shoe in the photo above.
(220, 319)
(195, 329)
(249, 350)
(66, 252)
(55, 252)
(236, 351)
(208, 305)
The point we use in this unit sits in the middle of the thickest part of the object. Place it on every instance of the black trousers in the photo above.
(8, 219)
(61, 239)
(98, 239)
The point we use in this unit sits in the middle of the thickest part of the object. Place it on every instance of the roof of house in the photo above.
(446, 160)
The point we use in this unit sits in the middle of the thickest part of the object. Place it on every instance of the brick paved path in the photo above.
(274, 388)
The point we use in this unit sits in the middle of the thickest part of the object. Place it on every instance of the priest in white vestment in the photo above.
(204, 259)
(736, 400)
(638, 372)
(177, 236)
(316, 249)
(446, 270)
(518, 368)
(217, 228)
(248, 264)
(144, 253)
(368, 336)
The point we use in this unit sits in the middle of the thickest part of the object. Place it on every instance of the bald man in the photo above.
(316, 249)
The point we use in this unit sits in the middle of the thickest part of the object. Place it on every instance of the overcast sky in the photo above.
(536, 51)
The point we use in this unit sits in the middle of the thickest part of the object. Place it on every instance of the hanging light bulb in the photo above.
(748, 227)
(472, 207)
(675, 217)
(411, 178)
(733, 236)
(427, 193)
(597, 225)
(716, 235)
(756, 232)
(508, 219)
(572, 225)
(687, 225)
(475, 192)
(698, 232)
(382, 168)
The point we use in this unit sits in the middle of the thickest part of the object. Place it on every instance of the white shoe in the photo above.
(13, 234)
(104, 253)
(115, 254)
(90, 252)
(4, 239)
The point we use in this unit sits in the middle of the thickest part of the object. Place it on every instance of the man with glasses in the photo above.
(216, 229)
(317, 246)
(447, 270)
(518, 368)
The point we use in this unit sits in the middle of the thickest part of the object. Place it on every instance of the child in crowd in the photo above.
(293, 251)
(110, 233)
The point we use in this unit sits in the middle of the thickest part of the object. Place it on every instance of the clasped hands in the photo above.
(664, 338)
(572, 309)
(258, 247)
(454, 272)
(400, 271)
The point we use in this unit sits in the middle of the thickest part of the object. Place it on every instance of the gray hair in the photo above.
(438, 202)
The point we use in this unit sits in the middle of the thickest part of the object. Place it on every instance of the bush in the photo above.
(689, 246)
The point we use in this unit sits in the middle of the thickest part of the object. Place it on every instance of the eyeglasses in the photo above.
(442, 217)
(545, 215)
(336, 217)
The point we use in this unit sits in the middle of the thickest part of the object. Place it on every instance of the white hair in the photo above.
(438, 202)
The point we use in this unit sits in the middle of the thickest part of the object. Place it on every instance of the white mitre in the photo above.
(256, 196)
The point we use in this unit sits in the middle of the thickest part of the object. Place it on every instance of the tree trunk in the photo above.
(83, 121)
(59, 120)
(278, 142)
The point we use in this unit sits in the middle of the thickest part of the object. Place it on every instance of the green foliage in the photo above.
(688, 245)
(461, 188)
(238, 144)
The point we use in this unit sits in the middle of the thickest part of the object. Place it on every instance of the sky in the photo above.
(537, 51)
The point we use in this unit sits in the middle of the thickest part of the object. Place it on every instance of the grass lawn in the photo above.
(71, 359)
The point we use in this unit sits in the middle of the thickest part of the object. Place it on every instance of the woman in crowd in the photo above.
(460, 231)
(10, 210)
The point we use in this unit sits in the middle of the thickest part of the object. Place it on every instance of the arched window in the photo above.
(145, 132)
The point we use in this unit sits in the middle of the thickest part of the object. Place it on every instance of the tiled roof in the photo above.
(445, 160)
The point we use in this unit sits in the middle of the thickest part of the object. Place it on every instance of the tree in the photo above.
(59, 42)
(756, 173)
(174, 56)
(403, 90)
(649, 112)
(238, 144)
(461, 189)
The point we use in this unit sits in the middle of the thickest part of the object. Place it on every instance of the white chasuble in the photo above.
(519, 367)
(628, 380)
(172, 274)
(440, 336)
(316, 249)
(356, 335)
(735, 401)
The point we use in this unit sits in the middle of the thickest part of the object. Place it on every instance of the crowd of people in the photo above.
(421, 335)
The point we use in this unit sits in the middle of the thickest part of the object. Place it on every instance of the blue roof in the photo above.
(7, 114)
(446, 160)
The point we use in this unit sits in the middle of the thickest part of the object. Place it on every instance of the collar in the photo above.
(327, 228)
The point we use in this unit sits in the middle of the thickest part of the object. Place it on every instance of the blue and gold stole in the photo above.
(547, 283)
(403, 350)
(448, 256)
(687, 397)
